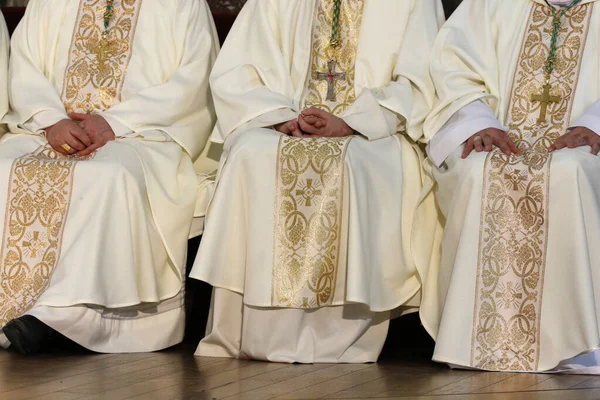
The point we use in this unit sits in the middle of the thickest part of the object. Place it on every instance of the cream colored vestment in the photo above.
(308, 265)
(512, 284)
(96, 248)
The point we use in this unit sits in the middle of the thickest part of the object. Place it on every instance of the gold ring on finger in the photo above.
(66, 147)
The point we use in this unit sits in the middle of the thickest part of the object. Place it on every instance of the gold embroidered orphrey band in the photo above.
(310, 176)
(514, 213)
(40, 183)
(39, 195)
(95, 73)
(344, 55)
(308, 219)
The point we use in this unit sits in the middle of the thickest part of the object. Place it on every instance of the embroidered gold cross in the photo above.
(309, 192)
(35, 243)
(545, 99)
(331, 77)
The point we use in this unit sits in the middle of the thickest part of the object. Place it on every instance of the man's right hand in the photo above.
(67, 132)
(291, 128)
(486, 139)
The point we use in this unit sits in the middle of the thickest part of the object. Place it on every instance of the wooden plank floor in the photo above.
(176, 374)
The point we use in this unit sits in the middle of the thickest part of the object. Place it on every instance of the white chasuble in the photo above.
(513, 279)
(307, 241)
(96, 247)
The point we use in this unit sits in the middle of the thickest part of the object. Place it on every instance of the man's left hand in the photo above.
(97, 129)
(578, 137)
(323, 124)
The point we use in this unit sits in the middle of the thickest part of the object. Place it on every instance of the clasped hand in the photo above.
(315, 123)
(83, 134)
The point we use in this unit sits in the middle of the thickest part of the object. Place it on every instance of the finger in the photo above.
(581, 140)
(314, 121)
(306, 127)
(309, 119)
(488, 143)
(288, 127)
(82, 136)
(299, 134)
(578, 131)
(59, 149)
(295, 129)
(512, 146)
(283, 128)
(77, 116)
(575, 141)
(478, 145)
(74, 143)
(558, 144)
(504, 143)
(504, 146)
(468, 148)
(315, 112)
(596, 148)
(319, 124)
(89, 150)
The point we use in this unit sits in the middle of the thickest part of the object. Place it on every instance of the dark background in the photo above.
(230, 5)
(236, 5)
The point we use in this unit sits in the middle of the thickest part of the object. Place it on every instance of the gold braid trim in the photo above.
(96, 70)
(308, 219)
(39, 195)
(514, 213)
(41, 183)
(344, 54)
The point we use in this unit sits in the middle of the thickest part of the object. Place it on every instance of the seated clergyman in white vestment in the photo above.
(110, 107)
(515, 283)
(320, 105)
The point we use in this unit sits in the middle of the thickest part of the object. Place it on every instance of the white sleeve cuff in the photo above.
(266, 120)
(42, 120)
(590, 119)
(467, 121)
(117, 126)
(367, 117)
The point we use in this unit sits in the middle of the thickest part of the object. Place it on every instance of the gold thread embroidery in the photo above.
(39, 195)
(95, 75)
(308, 217)
(40, 183)
(345, 56)
(514, 213)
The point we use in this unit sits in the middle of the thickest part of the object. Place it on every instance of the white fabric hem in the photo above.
(338, 335)
(4, 342)
(585, 363)
(134, 330)
(348, 302)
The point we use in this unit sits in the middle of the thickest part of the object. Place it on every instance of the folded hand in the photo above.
(98, 130)
(67, 134)
(320, 123)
